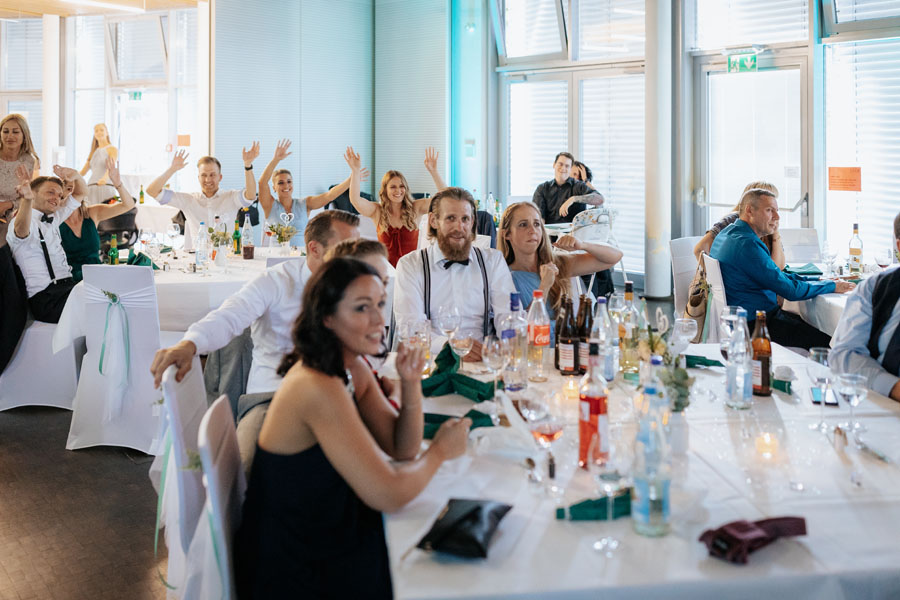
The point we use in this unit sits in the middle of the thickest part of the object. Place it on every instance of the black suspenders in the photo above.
(426, 272)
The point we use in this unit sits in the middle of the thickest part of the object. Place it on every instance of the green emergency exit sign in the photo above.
(137, 95)
(741, 63)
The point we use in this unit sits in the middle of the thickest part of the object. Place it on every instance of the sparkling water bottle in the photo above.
(201, 255)
(604, 333)
(514, 328)
(739, 371)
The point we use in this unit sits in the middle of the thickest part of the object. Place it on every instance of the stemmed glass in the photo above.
(545, 421)
(496, 354)
(683, 332)
(726, 327)
(819, 374)
(611, 475)
(615, 307)
(852, 388)
(418, 334)
(829, 254)
(461, 343)
(153, 248)
(172, 232)
(884, 258)
(448, 319)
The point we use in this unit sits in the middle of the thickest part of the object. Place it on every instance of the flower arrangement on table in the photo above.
(218, 238)
(282, 233)
(673, 376)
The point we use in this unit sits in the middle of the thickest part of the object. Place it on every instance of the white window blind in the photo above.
(22, 54)
(610, 29)
(860, 10)
(862, 116)
(90, 59)
(723, 23)
(138, 49)
(90, 109)
(612, 145)
(538, 130)
(532, 28)
(31, 110)
(186, 47)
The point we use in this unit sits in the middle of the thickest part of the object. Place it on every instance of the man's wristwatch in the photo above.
(250, 168)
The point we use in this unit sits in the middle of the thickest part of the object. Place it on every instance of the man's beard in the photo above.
(450, 251)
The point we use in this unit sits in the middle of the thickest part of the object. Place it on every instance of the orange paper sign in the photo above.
(184, 139)
(845, 179)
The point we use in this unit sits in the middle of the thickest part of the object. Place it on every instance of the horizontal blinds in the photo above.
(22, 54)
(861, 10)
(531, 27)
(538, 131)
(138, 48)
(723, 23)
(90, 109)
(862, 124)
(31, 110)
(90, 59)
(612, 145)
(610, 29)
(186, 47)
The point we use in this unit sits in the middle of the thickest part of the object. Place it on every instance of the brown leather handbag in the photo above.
(698, 301)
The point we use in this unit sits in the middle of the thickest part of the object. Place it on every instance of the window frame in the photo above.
(4, 90)
(119, 82)
(497, 12)
(834, 31)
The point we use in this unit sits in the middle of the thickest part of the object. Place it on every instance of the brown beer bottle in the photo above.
(585, 323)
(762, 357)
(568, 342)
(560, 317)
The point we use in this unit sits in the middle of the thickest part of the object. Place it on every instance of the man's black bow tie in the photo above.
(464, 263)
(46, 218)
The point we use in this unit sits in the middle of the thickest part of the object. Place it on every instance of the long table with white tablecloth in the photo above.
(851, 549)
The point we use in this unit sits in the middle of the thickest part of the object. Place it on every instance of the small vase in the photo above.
(221, 257)
(679, 434)
(286, 248)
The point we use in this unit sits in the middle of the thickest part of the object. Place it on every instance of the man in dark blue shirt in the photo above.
(753, 280)
(563, 197)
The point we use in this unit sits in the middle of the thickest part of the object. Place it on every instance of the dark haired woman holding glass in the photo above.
(322, 472)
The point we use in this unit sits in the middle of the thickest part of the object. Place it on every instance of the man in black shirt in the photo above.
(563, 197)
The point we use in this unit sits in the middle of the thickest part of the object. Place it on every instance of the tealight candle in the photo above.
(570, 389)
(767, 445)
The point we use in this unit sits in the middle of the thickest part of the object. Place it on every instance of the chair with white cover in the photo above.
(35, 376)
(272, 261)
(210, 565)
(801, 246)
(116, 404)
(684, 266)
(180, 483)
(718, 300)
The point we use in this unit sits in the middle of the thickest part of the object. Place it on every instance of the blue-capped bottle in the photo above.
(514, 328)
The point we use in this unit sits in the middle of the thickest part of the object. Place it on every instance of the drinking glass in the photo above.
(726, 327)
(820, 376)
(611, 476)
(829, 255)
(615, 307)
(683, 332)
(545, 421)
(448, 319)
(884, 258)
(496, 354)
(418, 334)
(852, 389)
(172, 232)
(461, 343)
(153, 249)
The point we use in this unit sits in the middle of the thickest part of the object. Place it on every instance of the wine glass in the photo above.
(448, 319)
(820, 377)
(615, 306)
(852, 388)
(496, 354)
(153, 248)
(726, 327)
(829, 254)
(172, 232)
(145, 237)
(683, 332)
(461, 343)
(545, 421)
(884, 258)
(417, 333)
(610, 472)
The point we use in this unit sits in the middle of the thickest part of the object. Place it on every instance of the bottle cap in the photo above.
(656, 360)
(649, 389)
(593, 349)
(742, 312)
(538, 294)
(629, 287)
(601, 300)
(514, 301)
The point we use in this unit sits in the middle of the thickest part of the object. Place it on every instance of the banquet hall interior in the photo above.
(709, 181)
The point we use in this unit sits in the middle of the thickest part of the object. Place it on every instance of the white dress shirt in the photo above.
(460, 285)
(30, 256)
(850, 352)
(198, 207)
(269, 304)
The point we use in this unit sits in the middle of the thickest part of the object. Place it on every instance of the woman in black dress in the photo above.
(312, 526)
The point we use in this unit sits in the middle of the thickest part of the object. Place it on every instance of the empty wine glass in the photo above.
(172, 232)
(496, 354)
(829, 255)
(461, 343)
(610, 473)
(820, 377)
(683, 332)
(727, 319)
(448, 319)
(852, 389)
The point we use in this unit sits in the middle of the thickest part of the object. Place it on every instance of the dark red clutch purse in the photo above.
(735, 541)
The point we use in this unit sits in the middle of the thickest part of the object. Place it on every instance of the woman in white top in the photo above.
(16, 148)
(99, 189)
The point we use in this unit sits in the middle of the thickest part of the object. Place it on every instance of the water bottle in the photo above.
(739, 370)
(514, 328)
(201, 255)
(247, 238)
(603, 332)
(652, 470)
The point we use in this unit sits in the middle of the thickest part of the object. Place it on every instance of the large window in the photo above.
(538, 130)
(533, 28)
(864, 10)
(21, 73)
(610, 29)
(862, 127)
(721, 23)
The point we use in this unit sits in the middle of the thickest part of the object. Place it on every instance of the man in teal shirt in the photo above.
(753, 280)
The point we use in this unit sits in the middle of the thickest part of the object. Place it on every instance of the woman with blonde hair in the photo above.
(772, 242)
(99, 189)
(16, 148)
(534, 264)
(396, 214)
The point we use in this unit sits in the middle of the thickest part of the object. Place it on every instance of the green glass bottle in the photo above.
(113, 251)
(236, 237)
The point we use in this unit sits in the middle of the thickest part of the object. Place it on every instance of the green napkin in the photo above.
(781, 385)
(700, 361)
(165, 249)
(807, 269)
(433, 421)
(141, 260)
(446, 380)
(595, 510)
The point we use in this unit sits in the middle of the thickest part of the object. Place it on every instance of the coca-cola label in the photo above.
(566, 357)
(539, 335)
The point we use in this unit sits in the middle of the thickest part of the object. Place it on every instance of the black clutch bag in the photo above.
(465, 528)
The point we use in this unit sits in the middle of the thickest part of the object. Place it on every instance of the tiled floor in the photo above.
(77, 524)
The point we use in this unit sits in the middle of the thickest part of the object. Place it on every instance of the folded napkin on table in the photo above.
(595, 510)
(433, 421)
(141, 260)
(700, 361)
(735, 541)
(446, 380)
(807, 269)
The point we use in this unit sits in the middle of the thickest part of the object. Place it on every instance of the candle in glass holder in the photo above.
(767, 445)
(570, 389)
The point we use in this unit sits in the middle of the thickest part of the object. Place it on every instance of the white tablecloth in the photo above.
(850, 551)
(822, 312)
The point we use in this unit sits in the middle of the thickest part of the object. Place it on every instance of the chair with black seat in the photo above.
(342, 202)
(123, 227)
(484, 225)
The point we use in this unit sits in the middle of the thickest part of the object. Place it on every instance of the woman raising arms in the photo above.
(396, 213)
(322, 470)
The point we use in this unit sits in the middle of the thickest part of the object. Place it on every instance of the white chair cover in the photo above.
(35, 376)
(717, 291)
(116, 404)
(684, 266)
(367, 228)
(210, 572)
(272, 261)
(801, 246)
(176, 471)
